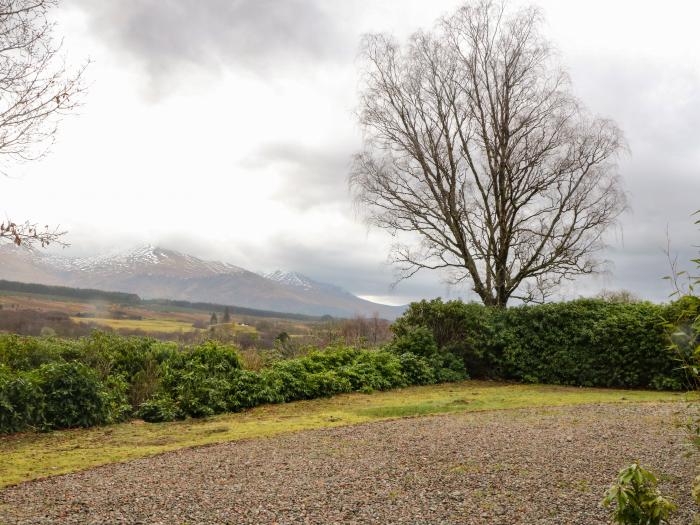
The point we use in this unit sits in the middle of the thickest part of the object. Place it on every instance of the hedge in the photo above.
(48, 383)
(584, 342)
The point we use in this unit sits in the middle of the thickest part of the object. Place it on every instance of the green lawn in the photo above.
(30, 456)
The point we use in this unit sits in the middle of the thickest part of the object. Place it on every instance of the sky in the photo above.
(225, 128)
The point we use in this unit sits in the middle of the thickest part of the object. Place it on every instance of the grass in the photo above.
(30, 456)
(147, 325)
(157, 325)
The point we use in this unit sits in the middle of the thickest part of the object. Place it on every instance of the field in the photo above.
(146, 325)
(28, 313)
(31, 456)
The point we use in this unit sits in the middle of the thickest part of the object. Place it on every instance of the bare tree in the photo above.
(474, 141)
(36, 89)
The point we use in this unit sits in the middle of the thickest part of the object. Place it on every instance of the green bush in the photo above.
(374, 370)
(198, 379)
(587, 343)
(21, 401)
(28, 353)
(448, 367)
(416, 340)
(158, 409)
(249, 389)
(73, 396)
(416, 369)
(584, 342)
(463, 329)
(636, 498)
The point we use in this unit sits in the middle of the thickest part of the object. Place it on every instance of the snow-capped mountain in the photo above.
(152, 259)
(291, 279)
(157, 273)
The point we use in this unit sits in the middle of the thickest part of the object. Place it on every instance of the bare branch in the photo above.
(36, 90)
(474, 142)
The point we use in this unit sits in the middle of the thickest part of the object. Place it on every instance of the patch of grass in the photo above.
(147, 325)
(31, 456)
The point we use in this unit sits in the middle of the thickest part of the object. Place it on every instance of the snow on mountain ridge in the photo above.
(142, 258)
(295, 279)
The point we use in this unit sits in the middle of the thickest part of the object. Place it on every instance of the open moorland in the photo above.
(62, 311)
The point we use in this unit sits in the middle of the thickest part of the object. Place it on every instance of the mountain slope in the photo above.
(159, 273)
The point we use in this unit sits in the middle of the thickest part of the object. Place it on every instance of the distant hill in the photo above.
(159, 273)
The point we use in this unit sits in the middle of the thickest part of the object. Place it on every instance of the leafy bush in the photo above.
(158, 409)
(249, 389)
(28, 353)
(448, 367)
(463, 329)
(73, 396)
(587, 343)
(638, 501)
(416, 369)
(21, 401)
(198, 379)
(372, 371)
(584, 342)
(416, 340)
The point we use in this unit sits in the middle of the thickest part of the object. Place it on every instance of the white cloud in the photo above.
(239, 149)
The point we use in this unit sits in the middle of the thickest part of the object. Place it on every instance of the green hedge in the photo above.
(318, 374)
(583, 342)
(48, 383)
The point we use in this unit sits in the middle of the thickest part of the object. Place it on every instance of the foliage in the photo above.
(683, 327)
(59, 395)
(417, 340)
(54, 383)
(21, 401)
(417, 369)
(589, 342)
(462, 329)
(74, 396)
(198, 378)
(157, 409)
(638, 501)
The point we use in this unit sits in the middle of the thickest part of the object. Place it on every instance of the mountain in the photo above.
(159, 273)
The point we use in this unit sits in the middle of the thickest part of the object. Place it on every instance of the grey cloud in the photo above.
(312, 176)
(170, 37)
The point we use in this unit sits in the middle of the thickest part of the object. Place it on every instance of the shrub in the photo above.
(448, 367)
(73, 396)
(463, 329)
(638, 501)
(416, 340)
(374, 371)
(21, 402)
(116, 398)
(158, 409)
(291, 380)
(329, 383)
(198, 378)
(584, 342)
(249, 389)
(416, 369)
(28, 353)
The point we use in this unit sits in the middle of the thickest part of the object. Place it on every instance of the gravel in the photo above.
(530, 466)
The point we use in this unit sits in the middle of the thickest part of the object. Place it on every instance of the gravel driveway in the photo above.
(544, 466)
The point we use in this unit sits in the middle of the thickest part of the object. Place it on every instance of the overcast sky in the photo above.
(224, 128)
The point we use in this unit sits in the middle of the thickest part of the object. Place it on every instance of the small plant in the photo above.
(638, 501)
